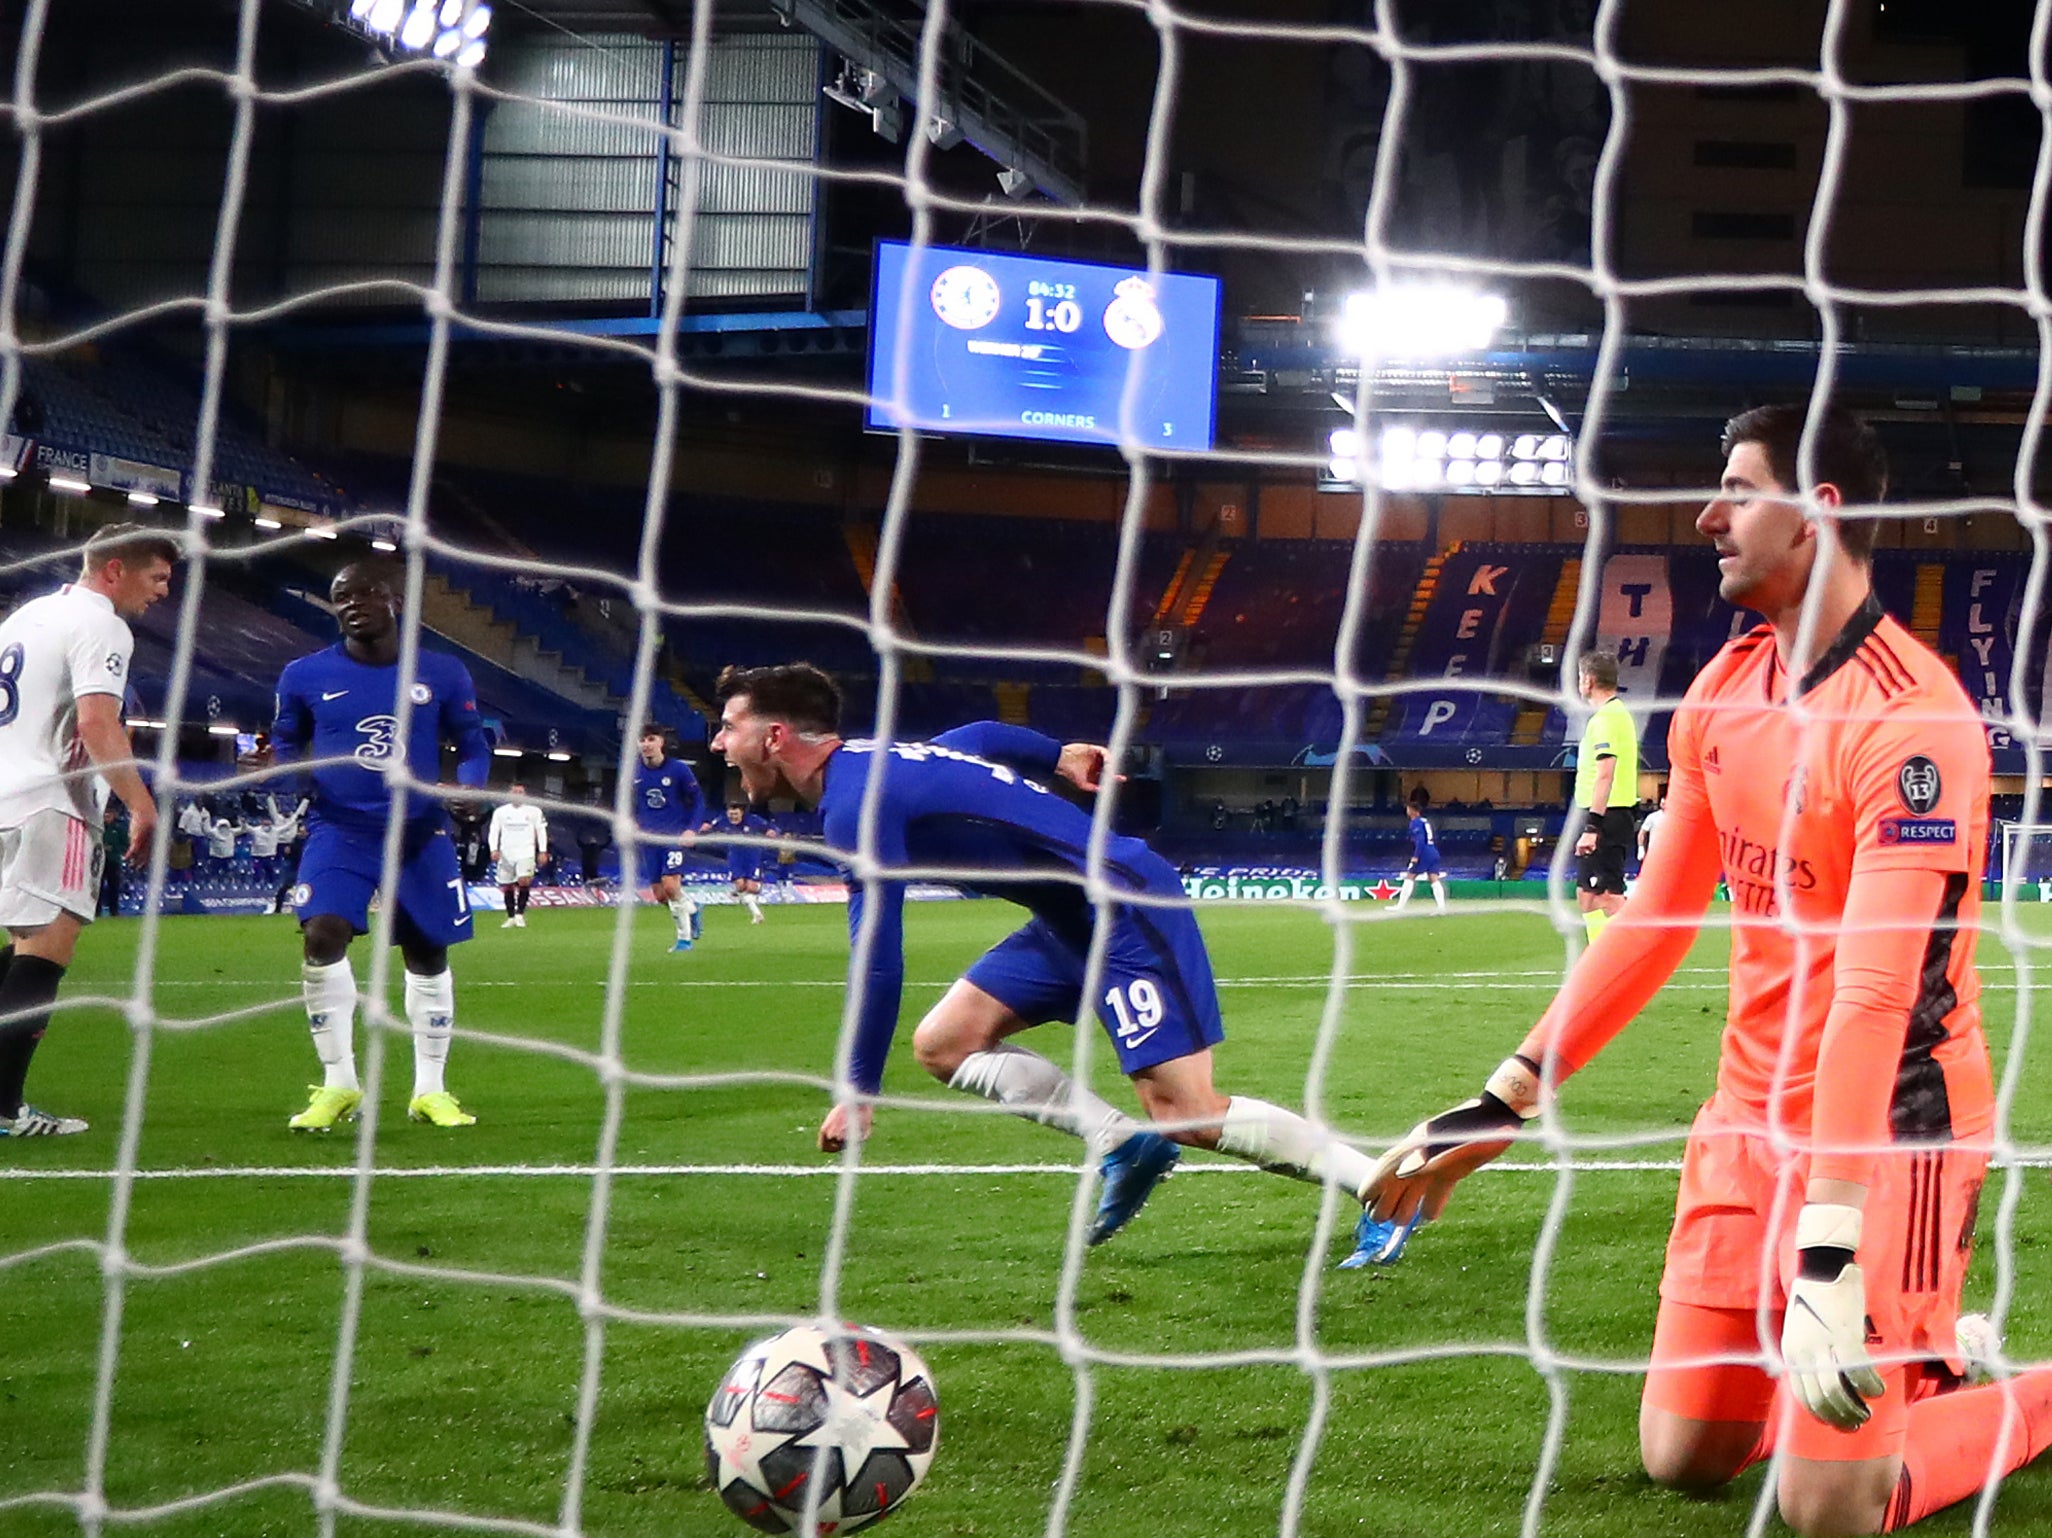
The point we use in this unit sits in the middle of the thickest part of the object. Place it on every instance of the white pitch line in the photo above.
(788, 1171)
(590, 1171)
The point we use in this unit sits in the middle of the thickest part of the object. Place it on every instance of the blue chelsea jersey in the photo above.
(667, 798)
(968, 801)
(1422, 839)
(330, 706)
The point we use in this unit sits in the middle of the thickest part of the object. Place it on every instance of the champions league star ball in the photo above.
(846, 1420)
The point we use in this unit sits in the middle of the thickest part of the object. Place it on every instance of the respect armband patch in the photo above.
(1897, 831)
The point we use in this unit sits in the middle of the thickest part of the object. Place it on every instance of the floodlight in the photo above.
(1014, 183)
(1339, 470)
(1554, 447)
(559, 757)
(1345, 443)
(321, 531)
(447, 44)
(419, 30)
(1489, 446)
(451, 12)
(1554, 472)
(1526, 446)
(472, 56)
(267, 523)
(505, 752)
(478, 22)
(8, 472)
(1420, 320)
(359, 10)
(1461, 445)
(1524, 473)
(385, 16)
(383, 544)
(66, 483)
(142, 499)
(1489, 472)
(1430, 445)
(200, 510)
(223, 729)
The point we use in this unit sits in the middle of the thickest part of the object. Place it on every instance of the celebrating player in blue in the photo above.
(668, 806)
(1424, 853)
(974, 800)
(339, 708)
(744, 861)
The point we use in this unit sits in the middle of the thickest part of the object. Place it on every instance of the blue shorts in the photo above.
(744, 864)
(339, 871)
(1158, 1000)
(660, 860)
(1426, 864)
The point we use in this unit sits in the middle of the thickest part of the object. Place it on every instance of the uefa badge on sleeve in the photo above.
(420, 694)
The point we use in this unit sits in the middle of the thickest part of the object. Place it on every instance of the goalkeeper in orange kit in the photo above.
(1838, 781)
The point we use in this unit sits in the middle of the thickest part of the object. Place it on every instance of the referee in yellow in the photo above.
(1606, 787)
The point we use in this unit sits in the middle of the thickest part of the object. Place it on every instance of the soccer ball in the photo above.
(852, 1412)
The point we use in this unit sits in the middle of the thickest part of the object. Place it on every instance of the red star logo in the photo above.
(1382, 891)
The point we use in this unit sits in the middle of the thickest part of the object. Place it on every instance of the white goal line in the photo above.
(592, 1171)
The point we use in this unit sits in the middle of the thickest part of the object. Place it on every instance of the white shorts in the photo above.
(49, 865)
(514, 868)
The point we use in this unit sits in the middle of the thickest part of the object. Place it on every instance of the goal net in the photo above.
(1375, 570)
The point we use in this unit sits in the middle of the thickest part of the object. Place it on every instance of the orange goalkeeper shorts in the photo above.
(1732, 1249)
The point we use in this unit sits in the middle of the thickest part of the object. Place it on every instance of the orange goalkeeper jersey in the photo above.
(1888, 771)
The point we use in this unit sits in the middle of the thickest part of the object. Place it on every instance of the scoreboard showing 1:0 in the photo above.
(1012, 346)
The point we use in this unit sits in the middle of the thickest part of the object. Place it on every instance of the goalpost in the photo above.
(2025, 850)
(1059, 1321)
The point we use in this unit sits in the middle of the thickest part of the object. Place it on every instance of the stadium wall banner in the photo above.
(1276, 883)
(61, 456)
(1477, 615)
(134, 475)
(1636, 616)
(226, 495)
(15, 453)
(1981, 606)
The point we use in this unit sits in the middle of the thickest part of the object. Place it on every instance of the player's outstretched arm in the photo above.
(1625, 966)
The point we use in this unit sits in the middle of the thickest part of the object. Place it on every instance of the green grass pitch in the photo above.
(463, 1389)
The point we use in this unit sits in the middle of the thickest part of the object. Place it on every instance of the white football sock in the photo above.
(1028, 1085)
(1410, 884)
(680, 911)
(330, 994)
(753, 904)
(431, 1011)
(1439, 894)
(1286, 1144)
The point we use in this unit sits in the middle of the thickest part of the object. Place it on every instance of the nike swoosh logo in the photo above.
(1147, 1035)
(336, 695)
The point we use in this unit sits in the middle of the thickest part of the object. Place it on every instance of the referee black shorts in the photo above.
(1602, 870)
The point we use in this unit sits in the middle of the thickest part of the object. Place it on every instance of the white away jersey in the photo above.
(54, 649)
(518, 830)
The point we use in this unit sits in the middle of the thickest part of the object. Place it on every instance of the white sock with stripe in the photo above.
(1284, 1143)
(1028, 1085)
(431, 1011)
(330, 995)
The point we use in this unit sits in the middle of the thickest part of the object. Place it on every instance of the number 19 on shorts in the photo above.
(1137, 1007)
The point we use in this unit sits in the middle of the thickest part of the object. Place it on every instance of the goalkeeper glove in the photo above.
(1419, 1174)
(1824, 1332)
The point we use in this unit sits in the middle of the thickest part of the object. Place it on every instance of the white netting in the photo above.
(37, 110)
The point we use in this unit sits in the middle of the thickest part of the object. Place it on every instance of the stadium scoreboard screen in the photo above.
(1010, 346)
